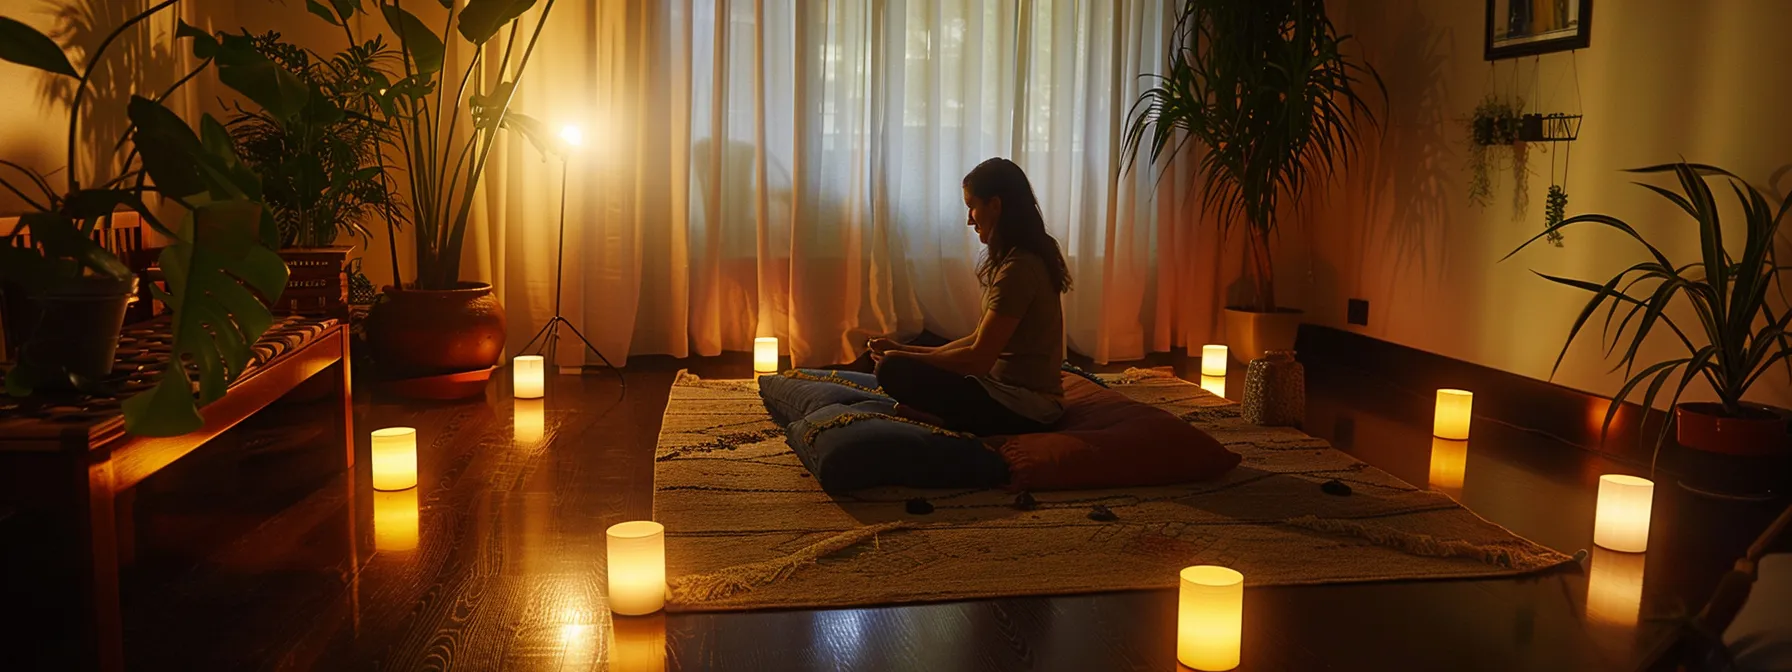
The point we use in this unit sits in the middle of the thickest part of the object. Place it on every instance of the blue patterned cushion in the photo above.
(791, 395)
(849, 447)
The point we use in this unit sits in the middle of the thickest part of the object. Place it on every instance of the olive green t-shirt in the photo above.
(1035, 353)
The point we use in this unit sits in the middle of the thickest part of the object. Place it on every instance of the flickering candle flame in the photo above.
(1449, 465)
(1621, 519)
(1214, 384)
(530, 420)
(1213, 360)
(765, 355)
(526, 379)
(1210, 617)
(395, 520)
(637, 552)
(1454, 408)
(394, 458)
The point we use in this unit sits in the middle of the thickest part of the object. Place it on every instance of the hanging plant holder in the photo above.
(1554, 127)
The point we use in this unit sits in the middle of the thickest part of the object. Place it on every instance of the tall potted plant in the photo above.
(1263, 88)
(216, 261)
(320, 166)
(442, 328)
(1739, 336)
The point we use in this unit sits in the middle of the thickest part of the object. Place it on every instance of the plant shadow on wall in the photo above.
(1739, 302)
(134, 62)
(1407, 173)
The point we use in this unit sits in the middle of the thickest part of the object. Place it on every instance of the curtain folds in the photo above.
(791, 169)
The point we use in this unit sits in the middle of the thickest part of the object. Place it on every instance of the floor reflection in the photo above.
(395, 520)
(1449, 466)
(640, 643)
(531, 420)
(1615, 588)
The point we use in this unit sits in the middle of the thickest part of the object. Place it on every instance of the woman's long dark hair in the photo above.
(1022, 226)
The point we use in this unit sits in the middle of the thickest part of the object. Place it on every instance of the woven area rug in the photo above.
(747, 528)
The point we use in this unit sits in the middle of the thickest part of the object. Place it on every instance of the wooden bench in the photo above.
(68, 460)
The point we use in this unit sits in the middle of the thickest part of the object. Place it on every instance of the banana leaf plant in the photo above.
(443, 142)
(1739, 336)
(1264, 89)
(219, 253)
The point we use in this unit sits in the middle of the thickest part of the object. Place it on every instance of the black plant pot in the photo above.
(73, 335)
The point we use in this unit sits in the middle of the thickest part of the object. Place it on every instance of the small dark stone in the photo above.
(919, 507)
(1335, 487)
(1101, 513)
(1025, 502)
(804, 474)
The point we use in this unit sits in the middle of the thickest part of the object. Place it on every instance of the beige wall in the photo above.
(1662, 79)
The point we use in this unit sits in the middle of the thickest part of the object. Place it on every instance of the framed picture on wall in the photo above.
(1526, 27)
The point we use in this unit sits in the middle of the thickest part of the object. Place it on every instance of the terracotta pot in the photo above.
(1250, 334)
(422, 332)
(1761, 430)
(73, 333)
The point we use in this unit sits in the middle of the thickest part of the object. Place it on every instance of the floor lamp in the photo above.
(549, 336)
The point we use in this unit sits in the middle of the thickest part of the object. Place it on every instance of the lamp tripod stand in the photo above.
(549, 335)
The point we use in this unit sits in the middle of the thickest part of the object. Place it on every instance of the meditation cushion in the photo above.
(1106, 440)
(849, 447)
(792, 395)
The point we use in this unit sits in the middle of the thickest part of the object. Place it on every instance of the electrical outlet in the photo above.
(1358, 312)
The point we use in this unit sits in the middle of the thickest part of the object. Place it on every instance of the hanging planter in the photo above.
(1494, 127)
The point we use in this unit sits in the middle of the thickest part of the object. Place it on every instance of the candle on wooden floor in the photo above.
(1615, 587)
(637, 567)
(1454, 408)
(394, 458)
(1214, 384)
(1621, 519)
(765, 355)
(395, 520)
(1213, 360)
(1449, 465)
(526, 377)
(530, 420)
(1210, 617)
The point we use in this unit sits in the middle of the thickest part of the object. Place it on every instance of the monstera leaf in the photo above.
(217, 319)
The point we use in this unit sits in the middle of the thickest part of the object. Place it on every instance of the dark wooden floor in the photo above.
(252, 555)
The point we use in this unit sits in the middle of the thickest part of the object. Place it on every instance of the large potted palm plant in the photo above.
(320, 165)
(1739, 334)
(441, 332)
(1264, 91)
(217, 260)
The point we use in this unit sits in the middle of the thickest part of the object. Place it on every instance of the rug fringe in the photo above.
(1427, 545)
(694, 588)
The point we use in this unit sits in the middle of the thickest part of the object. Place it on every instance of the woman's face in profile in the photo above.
(985, 212)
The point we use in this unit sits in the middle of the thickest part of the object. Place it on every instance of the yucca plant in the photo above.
(1739, 336)
(1264, 89)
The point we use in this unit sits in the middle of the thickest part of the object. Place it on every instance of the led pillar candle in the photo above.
(1213, 360)
(637, 567)
(1449, 465)
(529, 420)
(1214, 384)
(1454, 407)
(395, 520)
(394, 458)
(765, 355)
(1615, 587)
(1621, 521)
(1209, 617)
(526, 377)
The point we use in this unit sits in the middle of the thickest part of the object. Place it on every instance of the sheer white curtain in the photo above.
(791, 169)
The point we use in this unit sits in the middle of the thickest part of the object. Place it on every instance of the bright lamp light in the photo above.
(571, 135)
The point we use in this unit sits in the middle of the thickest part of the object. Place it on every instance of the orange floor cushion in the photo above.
(1106, 440)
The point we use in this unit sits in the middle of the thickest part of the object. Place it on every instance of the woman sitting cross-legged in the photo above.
(1004, 378)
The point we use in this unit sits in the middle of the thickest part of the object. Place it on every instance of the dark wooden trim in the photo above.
(1570, 415)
